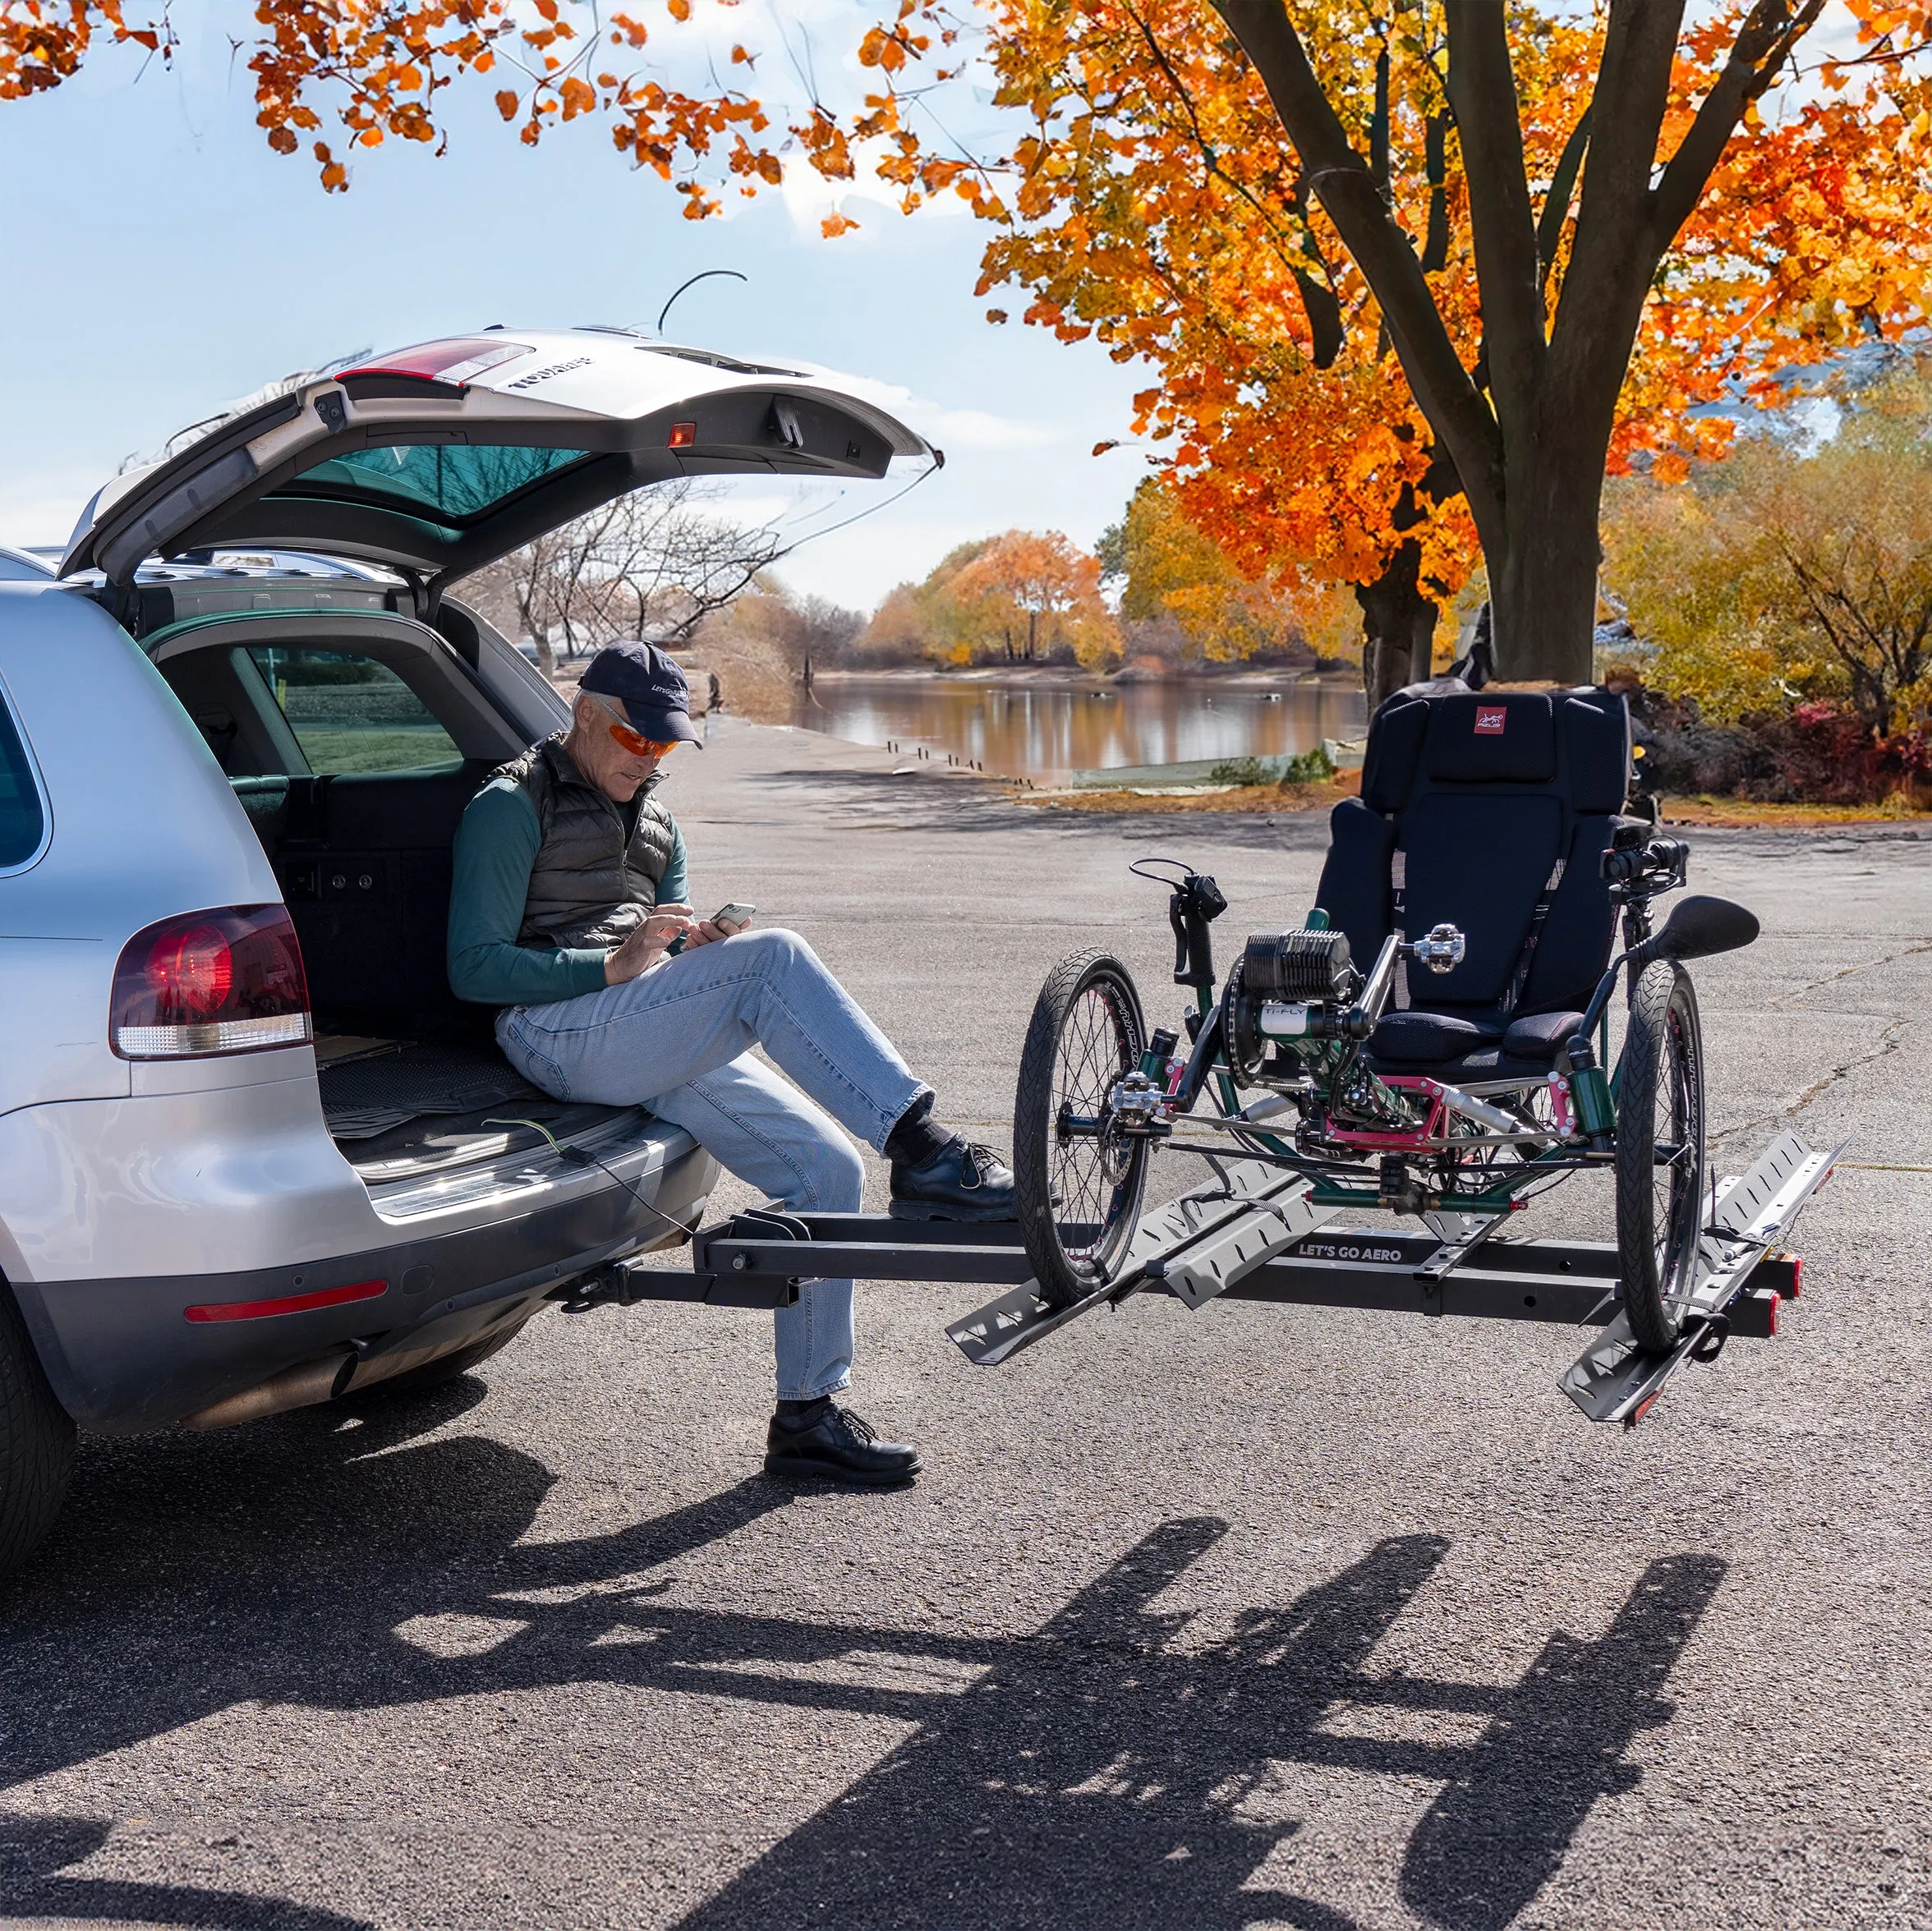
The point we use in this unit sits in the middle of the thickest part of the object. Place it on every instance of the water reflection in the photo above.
(1045, 732)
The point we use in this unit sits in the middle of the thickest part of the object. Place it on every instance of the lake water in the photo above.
(1045, 732)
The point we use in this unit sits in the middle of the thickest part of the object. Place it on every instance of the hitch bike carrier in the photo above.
(1257, 1235)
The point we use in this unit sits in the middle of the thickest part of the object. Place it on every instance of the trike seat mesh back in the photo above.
(1490, 810)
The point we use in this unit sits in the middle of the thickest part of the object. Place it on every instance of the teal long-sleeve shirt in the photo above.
(496, 845)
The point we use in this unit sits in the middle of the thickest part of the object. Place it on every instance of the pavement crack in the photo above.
(1850, 971)
(1888, 1043)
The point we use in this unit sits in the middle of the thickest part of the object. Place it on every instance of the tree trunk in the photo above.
(1543, 589)
(1398, 627)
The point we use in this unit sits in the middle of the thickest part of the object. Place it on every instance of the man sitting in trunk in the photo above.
(568, 898)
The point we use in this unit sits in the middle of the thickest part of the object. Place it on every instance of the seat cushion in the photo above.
(1539, 1036)
(1427, 1039)
(1574, 946)
(1477, 860)
(1595, 730)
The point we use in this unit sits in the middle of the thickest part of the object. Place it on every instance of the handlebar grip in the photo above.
(1200, 972)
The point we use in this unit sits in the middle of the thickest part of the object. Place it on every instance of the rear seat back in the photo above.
(1473, 805)
(364, 861)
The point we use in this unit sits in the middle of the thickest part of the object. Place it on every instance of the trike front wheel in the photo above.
(1659, 1155)
(1077, 1178)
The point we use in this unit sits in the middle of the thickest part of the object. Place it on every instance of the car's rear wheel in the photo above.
(36, 1443)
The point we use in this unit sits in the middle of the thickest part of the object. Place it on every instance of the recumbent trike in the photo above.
(1444, 1078)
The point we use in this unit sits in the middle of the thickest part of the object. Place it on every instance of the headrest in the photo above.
(1492, 738)
(1388, 765)
(1596, 742)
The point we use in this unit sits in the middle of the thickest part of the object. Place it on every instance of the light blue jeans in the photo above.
(678, 1040)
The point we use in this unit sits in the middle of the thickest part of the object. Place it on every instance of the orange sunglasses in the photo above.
(637, 743)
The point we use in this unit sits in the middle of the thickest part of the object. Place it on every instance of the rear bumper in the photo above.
(124, 1358)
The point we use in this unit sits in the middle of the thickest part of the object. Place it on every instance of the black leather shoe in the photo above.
(966, 1182)
(838, 1446)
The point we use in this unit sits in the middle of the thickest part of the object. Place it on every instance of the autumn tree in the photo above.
(1021, 597)
(1161, 214)
(1788, 573)
(1499, 206)
(1035, 591)
(1170, 568)
(805, 632)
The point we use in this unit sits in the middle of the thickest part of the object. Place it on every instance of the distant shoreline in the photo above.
(1062, 677)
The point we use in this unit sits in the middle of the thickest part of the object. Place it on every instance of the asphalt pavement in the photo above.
(1255, 1616)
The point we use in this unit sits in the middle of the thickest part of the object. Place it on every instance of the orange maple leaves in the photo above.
(1148, 198)
(44, 42)
(1160, 210)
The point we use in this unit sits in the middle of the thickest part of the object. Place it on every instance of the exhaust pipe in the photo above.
(307, 1385)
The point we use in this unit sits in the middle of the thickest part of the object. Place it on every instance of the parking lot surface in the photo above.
(1255, 1616)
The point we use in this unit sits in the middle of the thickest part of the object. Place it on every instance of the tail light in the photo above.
(224, 981)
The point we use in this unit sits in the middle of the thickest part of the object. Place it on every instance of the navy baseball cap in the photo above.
(650, 683)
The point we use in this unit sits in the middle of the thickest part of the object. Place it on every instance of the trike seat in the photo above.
(1490, 812)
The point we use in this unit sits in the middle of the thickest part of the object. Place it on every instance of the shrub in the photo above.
(1239, 771)
(1813, 754)
(1310, 767)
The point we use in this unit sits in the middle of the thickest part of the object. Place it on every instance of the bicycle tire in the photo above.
(1659, 1107)
(1078, 1196)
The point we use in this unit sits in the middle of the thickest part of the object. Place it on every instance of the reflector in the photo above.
(294, 1303)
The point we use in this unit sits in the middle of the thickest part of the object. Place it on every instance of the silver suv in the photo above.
(253, 1153)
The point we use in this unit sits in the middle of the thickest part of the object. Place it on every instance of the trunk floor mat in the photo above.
(374, 1092)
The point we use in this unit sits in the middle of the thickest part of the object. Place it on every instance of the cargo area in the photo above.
(400, 1108)
(353, 742)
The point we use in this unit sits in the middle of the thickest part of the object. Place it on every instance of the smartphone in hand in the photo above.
(733, 917)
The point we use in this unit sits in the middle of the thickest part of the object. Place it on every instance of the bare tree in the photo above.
(658, 561)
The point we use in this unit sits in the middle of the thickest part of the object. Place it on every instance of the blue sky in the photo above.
(159, 262)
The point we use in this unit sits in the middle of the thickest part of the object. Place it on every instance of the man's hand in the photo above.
(648, 944)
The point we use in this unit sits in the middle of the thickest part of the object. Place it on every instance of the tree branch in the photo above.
(1770, 31)
(1556, 204)
(1489, 127)
(1450, 401)
(1613, 254)
(1326, 333)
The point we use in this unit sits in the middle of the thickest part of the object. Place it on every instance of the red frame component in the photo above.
(1430, 1128)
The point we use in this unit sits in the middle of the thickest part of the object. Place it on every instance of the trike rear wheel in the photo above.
(1659, 1155)
(1077, 1178)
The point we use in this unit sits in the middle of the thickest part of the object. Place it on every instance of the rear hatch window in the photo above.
(452, 482)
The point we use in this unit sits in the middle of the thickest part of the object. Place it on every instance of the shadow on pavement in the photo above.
(33, 1850)
(1096, 1771)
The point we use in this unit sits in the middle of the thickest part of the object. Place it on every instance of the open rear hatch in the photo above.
(436, 460)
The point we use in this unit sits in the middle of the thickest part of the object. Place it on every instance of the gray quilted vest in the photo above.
(589, 885)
